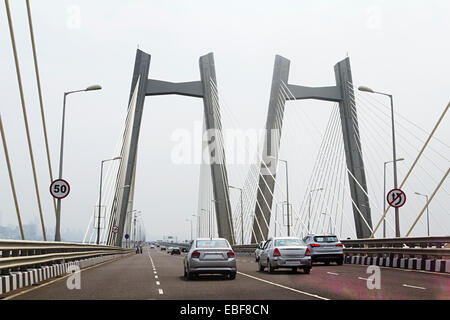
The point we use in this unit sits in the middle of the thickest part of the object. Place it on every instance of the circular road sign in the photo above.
(396, 198)
(59, 189)
(115, 229)
(127, 236)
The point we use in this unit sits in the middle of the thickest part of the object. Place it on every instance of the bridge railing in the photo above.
(420, 247)
(17, 254)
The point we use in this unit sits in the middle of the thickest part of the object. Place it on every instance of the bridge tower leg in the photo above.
(342, 93)
(266, 184)
(353, 150)
(140, 76)
(216, 149)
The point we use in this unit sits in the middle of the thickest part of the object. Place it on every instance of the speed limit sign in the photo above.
(59, 189)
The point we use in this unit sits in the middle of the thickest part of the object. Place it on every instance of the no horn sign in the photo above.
(396, 198)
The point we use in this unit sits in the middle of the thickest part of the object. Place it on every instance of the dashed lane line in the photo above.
(414, 287)
(284, 287)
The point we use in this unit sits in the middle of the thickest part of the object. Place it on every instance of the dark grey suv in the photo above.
(325, 248)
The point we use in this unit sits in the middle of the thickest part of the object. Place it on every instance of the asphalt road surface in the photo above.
(157, 275)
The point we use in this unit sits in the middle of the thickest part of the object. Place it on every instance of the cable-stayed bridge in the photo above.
(338, 192)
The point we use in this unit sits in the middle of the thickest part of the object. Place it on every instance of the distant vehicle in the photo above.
(325, 248)
(175, 250)
(163, 248)
(210, 256)
(285, 252)
(152, 246)
(184, 249)
(258, 250)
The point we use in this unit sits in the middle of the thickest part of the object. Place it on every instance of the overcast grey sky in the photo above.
(395, 46)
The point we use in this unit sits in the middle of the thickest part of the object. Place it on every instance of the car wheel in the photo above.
(185, 273)
(307, 270)
(269, 266)
(327, 263)
(340, 262)
(260, 266)
(190, 275)
(232, 276)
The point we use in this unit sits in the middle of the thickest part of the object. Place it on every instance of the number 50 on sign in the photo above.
(59, 189)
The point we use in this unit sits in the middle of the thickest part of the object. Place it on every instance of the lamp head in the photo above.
(366, 89)
(93, 87)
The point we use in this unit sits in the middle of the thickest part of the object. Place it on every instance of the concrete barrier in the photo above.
(4, 284)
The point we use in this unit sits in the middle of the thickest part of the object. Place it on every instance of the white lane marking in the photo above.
(334, 274)
(158, 283)
(405, 270)
(156, 277)
(414, 287)
(284, 287)
(161, 291)
(365, 279)
(154, 272)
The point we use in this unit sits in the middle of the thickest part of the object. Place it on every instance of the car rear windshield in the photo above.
(288, 242)
(212, 244)
(326, 239)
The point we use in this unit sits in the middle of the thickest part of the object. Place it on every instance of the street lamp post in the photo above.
(309, 208)
(331, 222)
(276, 214)
(428, 213)
(384, 194)
(394, 156)
(196, 216)
(287, 196)
(190, 220)
(58, 204)
(209, 224)
(134, 226)
(242, 214)
(100, 196)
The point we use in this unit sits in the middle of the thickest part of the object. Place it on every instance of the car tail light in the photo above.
(315, 245)
(230, 254)
(276, 252)
(339, 244)
(307, 252)
(195, 254)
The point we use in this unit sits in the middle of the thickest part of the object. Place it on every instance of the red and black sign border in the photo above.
(68, 187)
(387, 198)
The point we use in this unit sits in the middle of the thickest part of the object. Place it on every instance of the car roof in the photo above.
(322, 235)
(211, 239)
(279, 238)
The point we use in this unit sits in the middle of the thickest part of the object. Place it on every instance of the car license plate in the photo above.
(294, 262)
(213, 256)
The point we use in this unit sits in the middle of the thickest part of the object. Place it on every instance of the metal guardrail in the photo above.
(412, 246)
(17, 254)
(423, 242)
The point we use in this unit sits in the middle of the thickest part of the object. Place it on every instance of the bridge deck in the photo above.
(133, 278)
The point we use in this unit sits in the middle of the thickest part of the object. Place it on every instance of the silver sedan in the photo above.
(210, 256)
(285, 252)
